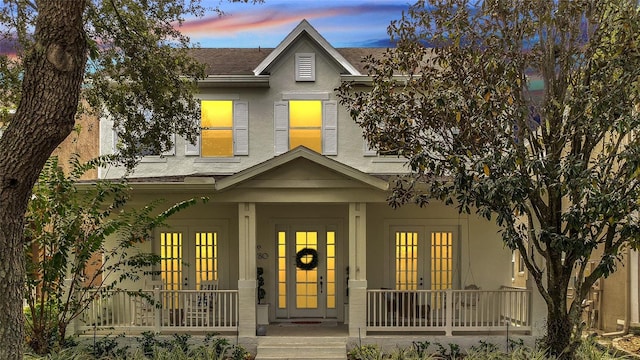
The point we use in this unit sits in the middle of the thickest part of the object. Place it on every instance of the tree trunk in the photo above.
(561, 322)
(559, 333)
(53, 74)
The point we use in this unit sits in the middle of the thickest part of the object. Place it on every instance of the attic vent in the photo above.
(306, 67)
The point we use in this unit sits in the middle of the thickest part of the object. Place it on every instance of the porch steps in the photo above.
(302, 348)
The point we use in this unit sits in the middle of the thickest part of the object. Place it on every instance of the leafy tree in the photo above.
(557, 169)
(121, 56)
(69, 263)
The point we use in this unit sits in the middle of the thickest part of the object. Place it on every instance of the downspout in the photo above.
(627, 301)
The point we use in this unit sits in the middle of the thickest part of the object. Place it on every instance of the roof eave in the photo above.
(234, 81)
(301, 152)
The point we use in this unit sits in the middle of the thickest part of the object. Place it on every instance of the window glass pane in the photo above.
(309, 138)
(441, 260)
(217, 114)
(406, 260)
(217, 142)
(305, 124)
(305, 113)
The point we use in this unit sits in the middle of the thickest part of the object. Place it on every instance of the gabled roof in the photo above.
(242, 61)
(304, 28)
(294, 155)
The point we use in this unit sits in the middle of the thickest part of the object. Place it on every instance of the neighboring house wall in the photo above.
(83, 141)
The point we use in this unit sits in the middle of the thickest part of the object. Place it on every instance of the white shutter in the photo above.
(192, 149)
(306, 67)
(330, 127)
(240, 128)
(171, 151)
(114, 145)
(281, 126)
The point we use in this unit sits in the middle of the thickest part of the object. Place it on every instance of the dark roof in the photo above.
(355, 56)
(242, 61)
(230, 61)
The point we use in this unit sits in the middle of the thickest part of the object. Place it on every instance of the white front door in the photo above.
(306, 271)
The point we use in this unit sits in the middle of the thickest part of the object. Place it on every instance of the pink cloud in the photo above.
(251, 21)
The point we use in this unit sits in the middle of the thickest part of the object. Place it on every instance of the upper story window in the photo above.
(148, 154)
(216, 128)
(224, 129)
(310, 123)
(305, 124)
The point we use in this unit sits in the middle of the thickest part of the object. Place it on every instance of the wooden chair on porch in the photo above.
(200, 307)
(144, 308)
(408, 306)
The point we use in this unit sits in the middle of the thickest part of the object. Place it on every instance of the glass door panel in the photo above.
(306, 291)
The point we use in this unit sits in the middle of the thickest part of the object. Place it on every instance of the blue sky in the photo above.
(344, 23)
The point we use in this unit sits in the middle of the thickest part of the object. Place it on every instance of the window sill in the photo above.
(153, 159)
(216, 160)
(389, 160)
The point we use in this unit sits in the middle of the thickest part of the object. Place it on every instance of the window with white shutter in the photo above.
(224, 129)
(145, 152)
(305, 67)
(309, 123)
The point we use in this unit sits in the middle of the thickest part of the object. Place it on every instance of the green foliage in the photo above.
(556, 169)
(108, 347)
(451, 353)
(68, 259)
(365, 352)
(178, 348)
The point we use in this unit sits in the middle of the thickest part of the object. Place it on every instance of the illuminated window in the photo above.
(441, 260)
(331, 269)
(305, 124)
(206, 257)
(171, 259)
(309, 123)
(224, 129)
(406, 260)
(217, 128)
(306, 280)
(173, 256)
(282, 270)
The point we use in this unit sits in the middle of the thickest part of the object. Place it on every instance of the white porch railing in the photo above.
(158, 310)
(449, 311)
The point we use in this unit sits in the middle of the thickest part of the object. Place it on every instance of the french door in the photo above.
(424, 257)
(188, 256)
(307, 267)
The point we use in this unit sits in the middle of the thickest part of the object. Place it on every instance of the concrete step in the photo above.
(302, 348)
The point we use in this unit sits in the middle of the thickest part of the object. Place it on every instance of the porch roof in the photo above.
(344, 175)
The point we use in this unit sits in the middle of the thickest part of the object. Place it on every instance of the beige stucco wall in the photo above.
(261, 125)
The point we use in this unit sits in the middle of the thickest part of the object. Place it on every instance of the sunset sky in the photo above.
(344, 23)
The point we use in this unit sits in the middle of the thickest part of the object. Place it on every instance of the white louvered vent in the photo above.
(306, 67)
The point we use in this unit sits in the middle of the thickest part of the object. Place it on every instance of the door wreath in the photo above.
(307, 265)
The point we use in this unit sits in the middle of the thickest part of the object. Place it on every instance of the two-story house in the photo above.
(295, 190)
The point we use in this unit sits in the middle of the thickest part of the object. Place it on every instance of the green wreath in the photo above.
(307, 265)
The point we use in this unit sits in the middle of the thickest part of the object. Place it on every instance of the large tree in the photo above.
(121, 57)
(557, 168)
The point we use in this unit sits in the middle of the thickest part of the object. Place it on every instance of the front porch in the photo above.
(329, 249)
(437, 312)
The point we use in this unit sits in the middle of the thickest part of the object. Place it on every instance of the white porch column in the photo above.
(357, 269)
(247, 269)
